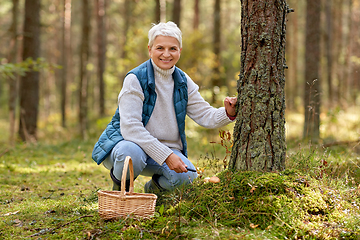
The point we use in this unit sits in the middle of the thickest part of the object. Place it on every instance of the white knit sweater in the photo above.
(161, 132)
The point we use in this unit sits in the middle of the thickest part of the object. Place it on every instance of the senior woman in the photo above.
(149, 123)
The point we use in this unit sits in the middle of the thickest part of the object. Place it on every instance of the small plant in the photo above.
(227, 143)
(211, 162)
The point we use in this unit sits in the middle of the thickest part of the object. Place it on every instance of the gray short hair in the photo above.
(169, 29)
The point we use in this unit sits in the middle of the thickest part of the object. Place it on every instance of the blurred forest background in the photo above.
(85, 48)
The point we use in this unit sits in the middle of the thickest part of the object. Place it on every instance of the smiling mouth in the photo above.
(166, 61)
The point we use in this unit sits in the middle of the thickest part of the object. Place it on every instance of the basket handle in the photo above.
(127, 164)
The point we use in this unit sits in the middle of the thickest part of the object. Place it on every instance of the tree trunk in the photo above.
(84, 59)
(13, 82)
(259, 132)
(128, 7)
(101, 50)
(29, 84)
(163, 10)
(338, 49)
(65, 56)
(329, 49)
(348, 44)
(216, 78)
(177, 12)
(355, 72)
(157, 11)
(291, 49)
(196, 20)
(292, 54)
(312, 62)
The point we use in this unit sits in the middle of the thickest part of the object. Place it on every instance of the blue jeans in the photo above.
(146, 166)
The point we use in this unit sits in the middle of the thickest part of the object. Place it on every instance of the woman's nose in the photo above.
(166, 53)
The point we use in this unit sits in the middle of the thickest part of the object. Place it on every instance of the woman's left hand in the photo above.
(230, 104)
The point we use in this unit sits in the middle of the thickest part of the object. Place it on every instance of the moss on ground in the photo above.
(289, 204)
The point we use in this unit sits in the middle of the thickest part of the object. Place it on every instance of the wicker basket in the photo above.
(117, 204)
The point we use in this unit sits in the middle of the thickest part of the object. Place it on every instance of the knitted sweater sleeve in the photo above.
(130, 101)
(201, 111)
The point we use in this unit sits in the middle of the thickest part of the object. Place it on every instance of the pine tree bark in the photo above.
(312, 63)
(259, 132)
(29, 84)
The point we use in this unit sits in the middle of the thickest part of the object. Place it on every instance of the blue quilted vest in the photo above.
(145, 73)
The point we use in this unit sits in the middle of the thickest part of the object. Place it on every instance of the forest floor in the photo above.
(49, 189)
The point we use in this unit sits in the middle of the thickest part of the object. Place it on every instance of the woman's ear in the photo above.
(149, 48)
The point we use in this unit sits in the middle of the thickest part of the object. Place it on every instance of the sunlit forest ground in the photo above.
(48, 188)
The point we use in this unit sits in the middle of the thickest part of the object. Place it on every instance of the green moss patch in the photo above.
(288, 204)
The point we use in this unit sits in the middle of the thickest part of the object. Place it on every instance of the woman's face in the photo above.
(165, 52)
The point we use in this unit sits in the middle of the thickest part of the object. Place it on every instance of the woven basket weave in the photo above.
(117, 204)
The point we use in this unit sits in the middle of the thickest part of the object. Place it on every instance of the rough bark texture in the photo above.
(312, 81)
(29, 84)
(259, 133)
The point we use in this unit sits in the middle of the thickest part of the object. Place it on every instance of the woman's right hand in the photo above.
(175, 163)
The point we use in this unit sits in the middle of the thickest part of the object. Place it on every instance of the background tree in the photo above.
(292, 49)
(216, 72)
(347, 48)
(259, 133)
(355, 58)
(196, 20)
(13, 82)
(84, 60)
(176, 13)
(312, 81)
(197, 57)
(329, 48)
(157, 11)
(29, 84)
(101, 52)
(65, 57)
(127, 13)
